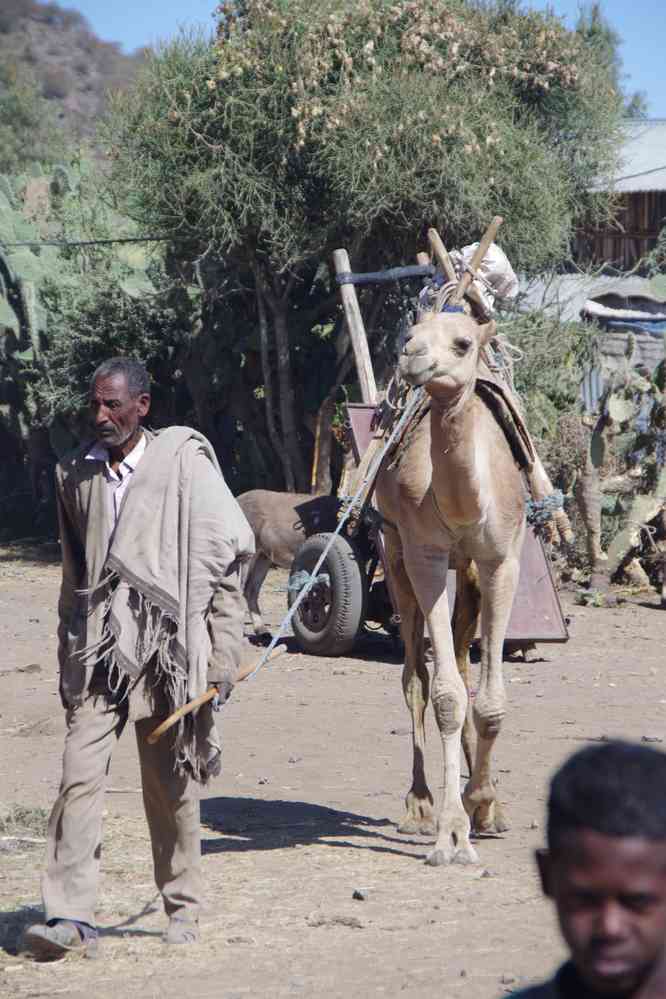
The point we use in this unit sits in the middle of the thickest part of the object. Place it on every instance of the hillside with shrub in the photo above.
(53, 52)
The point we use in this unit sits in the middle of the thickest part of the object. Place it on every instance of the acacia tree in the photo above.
(600, 35)
(308, 125)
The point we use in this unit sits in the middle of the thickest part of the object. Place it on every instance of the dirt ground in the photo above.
(316, 764)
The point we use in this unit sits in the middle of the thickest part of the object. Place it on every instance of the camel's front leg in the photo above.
(427, 568)
(419, 817)
(465, 619)
(498, 586)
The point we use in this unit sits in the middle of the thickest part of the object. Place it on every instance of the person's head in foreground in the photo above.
(605, 868)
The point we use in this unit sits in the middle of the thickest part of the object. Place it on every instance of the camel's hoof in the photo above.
(501, 821)
(489, 819)
(455, 855)
(419, 816)
(490, 827)
(418, 827)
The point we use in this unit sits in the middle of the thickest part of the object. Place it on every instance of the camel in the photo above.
(455, 495)
(280, 523)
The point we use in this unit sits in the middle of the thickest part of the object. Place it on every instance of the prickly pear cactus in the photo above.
(32, 208)
(23, 326)
(62, 181)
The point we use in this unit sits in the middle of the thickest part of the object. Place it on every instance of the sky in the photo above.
(642, 28)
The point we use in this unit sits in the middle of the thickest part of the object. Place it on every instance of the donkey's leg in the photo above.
(427, 568)
(498, 586)
(256, 575)
(420, 816)
(465, 619)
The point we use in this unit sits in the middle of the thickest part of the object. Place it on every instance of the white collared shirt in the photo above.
(120, 480)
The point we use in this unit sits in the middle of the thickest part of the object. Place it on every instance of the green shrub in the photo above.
(56, 83)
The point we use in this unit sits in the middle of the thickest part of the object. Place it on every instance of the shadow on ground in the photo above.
(652, 604)
(30, 550)
(15, 921)
(371, 646)
(255, 824)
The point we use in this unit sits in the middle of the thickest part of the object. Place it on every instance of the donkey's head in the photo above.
(441, 352)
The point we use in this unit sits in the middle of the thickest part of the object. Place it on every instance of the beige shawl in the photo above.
(179, 534)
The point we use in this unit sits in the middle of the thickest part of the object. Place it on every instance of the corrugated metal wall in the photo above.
(591, 389)
(611, 350)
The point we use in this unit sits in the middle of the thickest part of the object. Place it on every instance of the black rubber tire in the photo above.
(348, 595)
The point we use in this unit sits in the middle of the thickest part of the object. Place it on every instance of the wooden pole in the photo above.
(475, 262)
(442, 255)
(356, 329)
(204, 698)
(315, 456)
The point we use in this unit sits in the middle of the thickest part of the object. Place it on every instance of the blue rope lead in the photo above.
(539, 512)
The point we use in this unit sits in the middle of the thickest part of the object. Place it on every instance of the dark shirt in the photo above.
(566, 984)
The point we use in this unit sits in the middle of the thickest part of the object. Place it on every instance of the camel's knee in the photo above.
(488, 716)
(449, 704)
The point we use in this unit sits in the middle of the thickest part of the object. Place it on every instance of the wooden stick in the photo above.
(315, 456)
(475, 262)
(204, 698)
(357, 334)
(442, 255)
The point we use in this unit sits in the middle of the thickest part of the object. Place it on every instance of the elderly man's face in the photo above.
(610, 894)
(115, 413)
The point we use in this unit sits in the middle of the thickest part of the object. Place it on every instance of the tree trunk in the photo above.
(287, 404)
(277, 299)
(274, 437)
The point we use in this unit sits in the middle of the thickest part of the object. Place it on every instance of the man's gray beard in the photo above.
(121, 443)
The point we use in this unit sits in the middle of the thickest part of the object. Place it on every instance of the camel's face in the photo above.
(442, 352)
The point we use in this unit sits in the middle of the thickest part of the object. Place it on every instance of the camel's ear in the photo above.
(487, 332)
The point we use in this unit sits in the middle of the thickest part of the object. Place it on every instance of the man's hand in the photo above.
(224, 688)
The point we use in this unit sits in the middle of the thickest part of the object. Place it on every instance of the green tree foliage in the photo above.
(553, 356)
(62, 310)
(89, 321)
(311, 121)
(98, 299)
(307, 126)
(605, 41)
(28, 129)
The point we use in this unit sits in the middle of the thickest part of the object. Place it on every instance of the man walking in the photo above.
(150, 616)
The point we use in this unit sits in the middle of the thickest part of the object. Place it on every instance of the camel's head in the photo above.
(441, 352)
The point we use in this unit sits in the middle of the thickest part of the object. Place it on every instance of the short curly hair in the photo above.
(617, 788)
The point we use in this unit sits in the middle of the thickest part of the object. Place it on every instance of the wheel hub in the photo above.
(316, 607)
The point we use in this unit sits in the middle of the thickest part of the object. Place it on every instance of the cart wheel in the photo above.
(330, 616)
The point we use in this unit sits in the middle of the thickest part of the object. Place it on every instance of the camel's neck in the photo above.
(458, 465)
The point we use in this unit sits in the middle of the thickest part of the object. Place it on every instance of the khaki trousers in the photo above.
(74, 837)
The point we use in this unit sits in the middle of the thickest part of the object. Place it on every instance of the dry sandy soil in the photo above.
(316, 763)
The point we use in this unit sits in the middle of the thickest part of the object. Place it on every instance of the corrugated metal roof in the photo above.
(565, 295)
(569, 295)
(643, 156)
